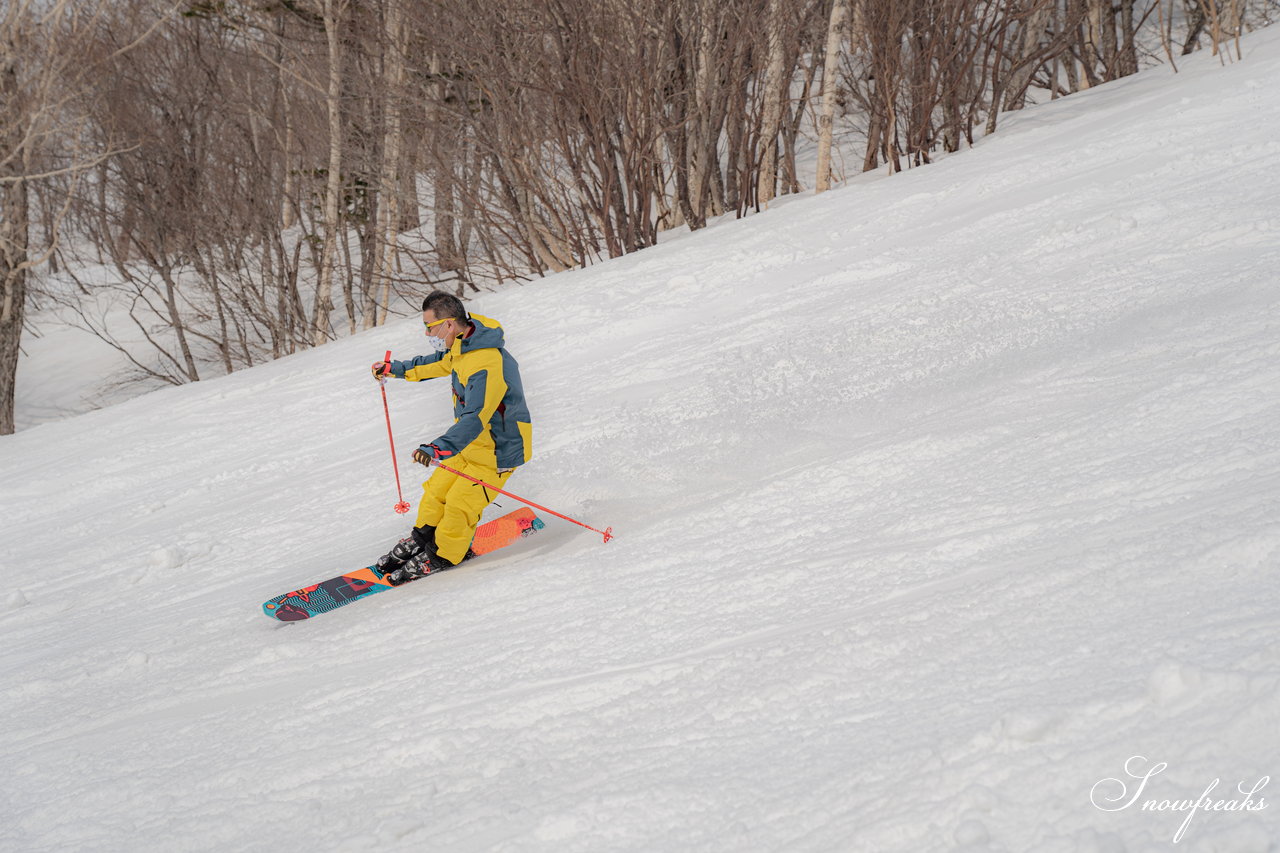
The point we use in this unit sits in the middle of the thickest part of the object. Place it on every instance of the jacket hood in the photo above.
(487, 334)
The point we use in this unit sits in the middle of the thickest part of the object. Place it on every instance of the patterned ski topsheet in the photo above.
(362, 583)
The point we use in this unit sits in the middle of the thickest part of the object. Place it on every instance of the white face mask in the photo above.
(437, 344)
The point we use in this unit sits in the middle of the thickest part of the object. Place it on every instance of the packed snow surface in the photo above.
(947, 511)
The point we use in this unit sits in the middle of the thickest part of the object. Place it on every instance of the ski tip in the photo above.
(284, 612)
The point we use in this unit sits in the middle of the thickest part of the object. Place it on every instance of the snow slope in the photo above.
(938, 500)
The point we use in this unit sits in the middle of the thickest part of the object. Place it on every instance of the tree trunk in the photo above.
(444, 203)
(1025, 65)
(410, 216)
(1102, 36)
(1196, 20)
(705, 131)
(13, 281)
(875, 129)
(794, 117)
(14, 232)
(208, 270)
(333, 10)
(389, 195)
(771, 125)
(286, 112)
(1128, 45)
(830, 87)
(176, 323)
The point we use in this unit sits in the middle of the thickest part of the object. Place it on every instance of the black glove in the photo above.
(426, 454)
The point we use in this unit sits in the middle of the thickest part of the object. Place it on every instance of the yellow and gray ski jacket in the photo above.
(490, 415)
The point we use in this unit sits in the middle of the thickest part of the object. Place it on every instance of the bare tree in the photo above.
(19, 134)
(334, 17)
(395, 49)
(775, 82)
(42, 70)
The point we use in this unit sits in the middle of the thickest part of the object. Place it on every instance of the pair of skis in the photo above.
(362, 583)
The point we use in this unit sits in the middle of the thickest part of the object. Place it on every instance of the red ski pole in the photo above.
(607, 533)
(403, 506)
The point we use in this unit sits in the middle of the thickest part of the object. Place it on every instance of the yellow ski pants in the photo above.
(452, 505)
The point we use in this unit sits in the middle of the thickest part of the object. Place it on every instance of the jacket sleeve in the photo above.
(481, 398)
(421, 367)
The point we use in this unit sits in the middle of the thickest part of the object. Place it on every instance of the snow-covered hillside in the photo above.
(938, 500)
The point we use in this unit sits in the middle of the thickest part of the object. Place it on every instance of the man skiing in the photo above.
(490, 437)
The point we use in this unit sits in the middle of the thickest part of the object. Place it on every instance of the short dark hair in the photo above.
(445, 306)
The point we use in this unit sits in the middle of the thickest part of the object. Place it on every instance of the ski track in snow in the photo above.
(937, 498)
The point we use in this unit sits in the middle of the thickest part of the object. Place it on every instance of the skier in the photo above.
(491, 435)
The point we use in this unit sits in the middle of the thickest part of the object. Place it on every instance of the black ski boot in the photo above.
(405, 549)
(420, 539)
(421, 564)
